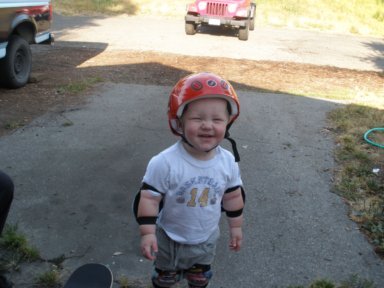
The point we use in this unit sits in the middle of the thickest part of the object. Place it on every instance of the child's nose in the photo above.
(206, 124)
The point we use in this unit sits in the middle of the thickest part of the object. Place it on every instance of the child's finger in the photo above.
(235, 244)
(147, 253)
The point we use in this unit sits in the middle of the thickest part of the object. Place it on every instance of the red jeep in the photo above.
(234, 13)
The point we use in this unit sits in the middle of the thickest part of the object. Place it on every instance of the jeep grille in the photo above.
(216, 8)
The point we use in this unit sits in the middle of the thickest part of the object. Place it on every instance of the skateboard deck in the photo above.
(91, 275)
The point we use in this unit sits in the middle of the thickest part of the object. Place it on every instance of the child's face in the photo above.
(204, 124)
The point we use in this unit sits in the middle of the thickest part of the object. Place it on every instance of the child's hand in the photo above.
(149, 246)
(236, 237)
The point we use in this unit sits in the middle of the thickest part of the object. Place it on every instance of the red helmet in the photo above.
(200, 86)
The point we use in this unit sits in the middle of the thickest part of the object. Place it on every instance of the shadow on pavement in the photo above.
(19, 107)
(377, 47)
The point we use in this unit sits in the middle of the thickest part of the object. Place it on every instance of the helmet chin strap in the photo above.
(233, 144)
(186, 141)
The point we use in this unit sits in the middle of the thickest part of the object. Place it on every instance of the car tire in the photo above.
(253, 17)
(190, 28)
(243, 33)
(16, 66)
(252, 24)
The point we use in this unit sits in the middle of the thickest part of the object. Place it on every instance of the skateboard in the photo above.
(91, 275)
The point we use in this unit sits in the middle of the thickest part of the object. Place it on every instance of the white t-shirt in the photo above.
(192, 191)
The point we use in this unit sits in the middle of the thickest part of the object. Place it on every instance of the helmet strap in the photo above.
(185, 140)
(234, 146)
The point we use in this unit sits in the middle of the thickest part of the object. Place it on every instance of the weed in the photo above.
(124, 282)
(13, 125)
(379, 16)
(77, 87)
(73, 88)
(49, 279)
(355, 282)
(67, 123)
(17, 243)
(322, 284)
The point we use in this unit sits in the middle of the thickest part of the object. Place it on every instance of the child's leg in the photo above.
(165, 273)
(165, 279)
(198, 276)
(6, 196)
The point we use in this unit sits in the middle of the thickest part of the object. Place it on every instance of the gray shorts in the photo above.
(173, 256)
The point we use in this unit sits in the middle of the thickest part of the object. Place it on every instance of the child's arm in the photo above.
(148, 211)
(233, 203)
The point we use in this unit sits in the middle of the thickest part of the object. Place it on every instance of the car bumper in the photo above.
(3, 49)
(42, 38)
(215, 21)
(45, 38)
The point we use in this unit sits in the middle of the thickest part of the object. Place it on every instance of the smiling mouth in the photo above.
(206, 136)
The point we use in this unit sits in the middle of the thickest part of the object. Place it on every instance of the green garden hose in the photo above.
(369, 140)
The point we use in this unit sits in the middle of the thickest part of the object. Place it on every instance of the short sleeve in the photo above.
(157, 174)
(235, 179)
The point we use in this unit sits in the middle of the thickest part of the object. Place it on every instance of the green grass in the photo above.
(76, 87)
(15, 250)
(354, 178)
(353, 281)
(49, 279)
(17, 244)
(364, 17)
(356, 95)
(95, 6)
(358, 16)
(13, 125)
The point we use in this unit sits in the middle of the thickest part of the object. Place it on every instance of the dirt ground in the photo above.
(62, 76)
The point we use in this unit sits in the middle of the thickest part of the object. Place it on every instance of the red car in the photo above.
(234, 13)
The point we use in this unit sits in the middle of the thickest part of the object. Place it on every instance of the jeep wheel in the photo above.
(243, 33)
(252, 24)
(253, 17)
(16, 66)
(190, 28)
